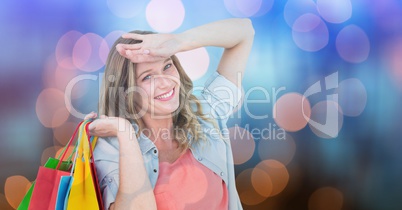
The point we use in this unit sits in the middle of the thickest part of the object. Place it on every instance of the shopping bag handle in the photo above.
(68, 145)
(90, 142)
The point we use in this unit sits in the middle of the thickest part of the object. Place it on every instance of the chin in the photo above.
(166, 109)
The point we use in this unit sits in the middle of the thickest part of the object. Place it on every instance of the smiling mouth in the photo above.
(165, 96)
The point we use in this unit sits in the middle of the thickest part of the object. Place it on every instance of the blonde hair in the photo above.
(114, 101)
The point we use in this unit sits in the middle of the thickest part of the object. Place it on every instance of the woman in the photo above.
(159, 146)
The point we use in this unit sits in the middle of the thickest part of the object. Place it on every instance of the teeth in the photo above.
(165, 95)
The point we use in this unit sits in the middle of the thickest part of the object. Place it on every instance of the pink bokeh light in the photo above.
(242, 143)
(292, 111)
(165, 16)
(89, 51)
(296, 8)
(64, 49)
(310, 33)
(50, 108)
(243, 8)
(195, 62)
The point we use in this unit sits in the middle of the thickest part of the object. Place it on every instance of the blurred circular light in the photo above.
(68, 152)
(337, 11)
(353, 44)
(194, 62)
(15, 189)
(277, 172)
(165, 16)
(107, 45)
(4, 203)
(393, 53)
(281, 150)
(89, 51)
(47, 153)
(261, 182)
(126, 8)
(112, 37)
(352, 97)
(247, 193)
(62, 77)
(50, 108)
(310, 33)
(64, 49)
(296, 8)
(266, 6)
(64, 132)
(243, 8)
(327, 198)
(326, 119)
(56, 76)
(242, 143)
(292, 111)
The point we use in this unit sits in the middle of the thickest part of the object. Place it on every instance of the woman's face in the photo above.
(159, 87)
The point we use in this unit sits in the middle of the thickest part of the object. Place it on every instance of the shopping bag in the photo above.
(62, 193)
(50, 163)
(47, 182)
(94, 175)
(66, 181)
(83, 193)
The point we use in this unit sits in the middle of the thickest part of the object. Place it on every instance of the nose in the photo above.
(162, 82)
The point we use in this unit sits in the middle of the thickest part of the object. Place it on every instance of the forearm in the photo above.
(135, 190)
(225, 33)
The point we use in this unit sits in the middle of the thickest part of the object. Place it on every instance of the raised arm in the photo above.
(135, 190)
(235, 35)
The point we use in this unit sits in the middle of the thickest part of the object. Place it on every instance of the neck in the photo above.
(158, 129)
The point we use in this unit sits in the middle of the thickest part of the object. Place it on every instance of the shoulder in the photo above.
(218, 97)
(107, 149)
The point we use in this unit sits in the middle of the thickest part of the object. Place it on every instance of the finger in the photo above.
(138, 58)
(131, 53)
(90, 116)
(121, 51)
(130, 46)
(92, 126)
(133, 36)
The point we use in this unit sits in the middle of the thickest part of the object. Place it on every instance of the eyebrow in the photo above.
(167, 59)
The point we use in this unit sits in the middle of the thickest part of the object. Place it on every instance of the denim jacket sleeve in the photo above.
(106, 155)
(220, 96)
(218, 99)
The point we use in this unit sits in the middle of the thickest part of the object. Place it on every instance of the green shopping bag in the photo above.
(52, 164)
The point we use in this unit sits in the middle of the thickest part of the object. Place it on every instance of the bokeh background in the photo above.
(323, 85)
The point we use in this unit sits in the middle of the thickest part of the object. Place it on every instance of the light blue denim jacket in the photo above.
(218, 98)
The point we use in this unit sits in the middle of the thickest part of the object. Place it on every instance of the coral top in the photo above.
(187, 184)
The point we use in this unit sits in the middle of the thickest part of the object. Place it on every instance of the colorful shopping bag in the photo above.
(83, 193)
(62, 193)
(50, 163)
(44, 192)
(66, 181)
(94, 175)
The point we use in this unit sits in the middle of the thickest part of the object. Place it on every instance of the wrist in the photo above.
(185, 42)
(122, 126)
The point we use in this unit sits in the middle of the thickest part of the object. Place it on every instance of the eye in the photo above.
(146, 77)
(167, 66)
